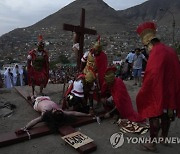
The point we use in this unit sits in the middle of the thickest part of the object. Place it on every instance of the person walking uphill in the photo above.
(159, 97)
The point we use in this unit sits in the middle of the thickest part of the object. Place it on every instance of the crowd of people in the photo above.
(62, 74)
(157, 101)
(133, 66)
(14, 77)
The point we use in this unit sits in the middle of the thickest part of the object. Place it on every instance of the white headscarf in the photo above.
(20, 70)
(8, 79)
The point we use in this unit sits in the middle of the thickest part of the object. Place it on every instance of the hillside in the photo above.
(152, 10)
(116, 27)
(98, 15)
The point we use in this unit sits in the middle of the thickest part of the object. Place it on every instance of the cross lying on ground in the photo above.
(80, 31)
(12, 138)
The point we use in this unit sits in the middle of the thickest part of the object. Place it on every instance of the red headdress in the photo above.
(147, 31)
(40, 40)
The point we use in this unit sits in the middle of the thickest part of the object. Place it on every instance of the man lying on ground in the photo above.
(51, 113)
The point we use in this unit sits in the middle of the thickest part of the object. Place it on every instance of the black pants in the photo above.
(79, 104)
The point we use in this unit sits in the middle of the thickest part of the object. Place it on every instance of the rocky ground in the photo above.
(51, 144)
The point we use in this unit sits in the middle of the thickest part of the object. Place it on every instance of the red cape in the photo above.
(38, 75)
(161, 85)
(122, 101)
(101, 63)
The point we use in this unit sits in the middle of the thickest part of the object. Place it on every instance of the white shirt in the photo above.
(130, 57)
(138, 61)
(84, 58)
(78, 88)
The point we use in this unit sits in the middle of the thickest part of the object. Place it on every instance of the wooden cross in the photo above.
(80, 31)
(12, 138)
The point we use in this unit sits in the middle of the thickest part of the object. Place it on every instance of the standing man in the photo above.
(137, 66)
(159, 97)
(95, 61)
(129, 59)
(38, 67)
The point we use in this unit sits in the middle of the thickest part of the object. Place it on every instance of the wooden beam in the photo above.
(24, 94)
(78, 29)
(12, 138)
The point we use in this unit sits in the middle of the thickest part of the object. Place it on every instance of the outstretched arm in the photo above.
(29, 125)
(33, 122)
(75, 113)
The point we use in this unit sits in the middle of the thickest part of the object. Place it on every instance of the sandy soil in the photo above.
(52, 144)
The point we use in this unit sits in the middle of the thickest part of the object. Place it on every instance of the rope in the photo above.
(27, 131)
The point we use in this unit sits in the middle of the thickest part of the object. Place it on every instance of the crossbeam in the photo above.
(35, 132)
(80, 31)
(12, 138)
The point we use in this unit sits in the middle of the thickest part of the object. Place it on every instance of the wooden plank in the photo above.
(79, 29)
(12, 138)
(24, 94)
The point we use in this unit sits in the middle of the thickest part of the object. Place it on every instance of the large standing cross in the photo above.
(12, 138)
(80, 31)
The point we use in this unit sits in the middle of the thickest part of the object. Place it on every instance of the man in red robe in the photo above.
(120, 96)
(38, 68)
(95, 61)
(159, 97)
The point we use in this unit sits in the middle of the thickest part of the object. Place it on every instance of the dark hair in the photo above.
(154, 41)
(53, 120)
(137, 49)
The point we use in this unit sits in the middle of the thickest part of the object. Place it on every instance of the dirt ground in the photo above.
(52, 144)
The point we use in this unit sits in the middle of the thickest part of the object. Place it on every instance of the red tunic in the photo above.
(101, 64)
(122, 101)
(38, 68)
(161, 85)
